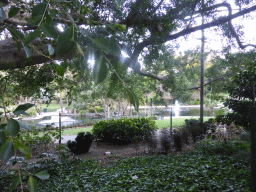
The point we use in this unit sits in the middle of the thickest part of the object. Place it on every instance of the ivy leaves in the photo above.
(9, 143)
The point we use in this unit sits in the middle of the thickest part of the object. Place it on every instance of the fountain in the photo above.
(177, 109)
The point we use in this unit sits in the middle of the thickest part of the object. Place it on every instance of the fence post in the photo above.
(60, 127)
(171, 121)
(253, 147)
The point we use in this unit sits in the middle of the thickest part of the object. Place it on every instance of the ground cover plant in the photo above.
(205, 168)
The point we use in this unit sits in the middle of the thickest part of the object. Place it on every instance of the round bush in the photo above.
(123, 131)
(82, 143)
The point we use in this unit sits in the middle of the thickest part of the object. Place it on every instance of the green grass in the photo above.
(74, 131)
(176, 122)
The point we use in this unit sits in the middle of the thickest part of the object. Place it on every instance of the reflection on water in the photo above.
(176, 111)
(68, 120)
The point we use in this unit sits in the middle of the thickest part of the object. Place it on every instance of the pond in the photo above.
(53, 118)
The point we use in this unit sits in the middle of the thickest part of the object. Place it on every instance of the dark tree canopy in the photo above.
(103, 29)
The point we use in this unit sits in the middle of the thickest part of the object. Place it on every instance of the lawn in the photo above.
(211, 167)
(74, 131)
(176, 122)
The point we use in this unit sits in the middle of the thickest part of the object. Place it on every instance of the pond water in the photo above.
(177, 110)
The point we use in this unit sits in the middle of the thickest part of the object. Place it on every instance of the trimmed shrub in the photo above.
(194, 128)
(82, 143)
(123, 131)
(184, 134)
(177, 141)
(165, 140)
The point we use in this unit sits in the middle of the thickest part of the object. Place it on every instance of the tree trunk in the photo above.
(202, 76)
(61, 103)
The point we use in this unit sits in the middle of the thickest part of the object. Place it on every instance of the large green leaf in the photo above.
(16, 34)
(22, 108)
(100, 71)
(65, 41)
(15, 182)
(31, 37)
(108, 45)
(133, 98)
(60, 70)
(32, 184)
(2, 14)
(7, 151)
(43, 175)
(13, 127)
(23, 148)
(79, 49)
(13, 11)
(27, 50)
(2, 137)
(49, 30)
(39, 10)
(50, 49)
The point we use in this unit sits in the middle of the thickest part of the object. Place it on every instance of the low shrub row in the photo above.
(123, 131)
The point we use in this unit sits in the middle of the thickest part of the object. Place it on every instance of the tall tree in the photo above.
(105, 27)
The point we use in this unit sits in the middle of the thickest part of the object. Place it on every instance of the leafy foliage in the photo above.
(11, 142)
(82, 143)
(205, 168)
(123, 130)
(242, 94)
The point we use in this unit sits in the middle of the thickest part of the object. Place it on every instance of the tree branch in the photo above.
(12, 58)
(187, 31)
(209, 82)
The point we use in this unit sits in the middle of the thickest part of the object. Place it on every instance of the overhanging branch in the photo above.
(209, 82)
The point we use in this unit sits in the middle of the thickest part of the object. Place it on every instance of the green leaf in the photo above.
(13, 127)
(14, 183)
(2, 126)
(2, 137)
(7, 151)
(31, 37)
(23, 148)
(13, 11)
(49, 30)
(32, 184)
(133, 98)
(43, 175)
(65, 42)
(16, 34)
(108, 45)
(39, 9)
(100, 71)
(28, 156)
(79, 49)
(50, 49)
(27, 50)
(60, 70)
(121, 27)
(22, 108)
(2, 14)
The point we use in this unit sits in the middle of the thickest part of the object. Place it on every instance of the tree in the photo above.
(105, 28)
